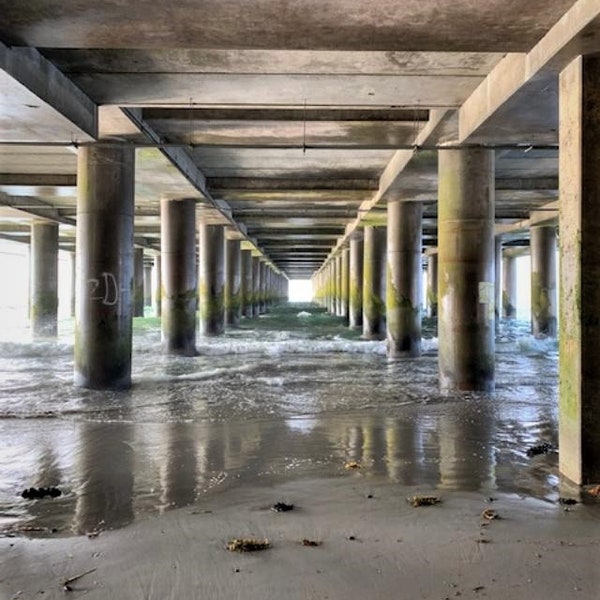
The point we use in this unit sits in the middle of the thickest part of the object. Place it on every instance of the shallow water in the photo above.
(292, 394)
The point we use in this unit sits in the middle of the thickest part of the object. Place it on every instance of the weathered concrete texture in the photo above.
(73, 263)
(212, 279)
(105, 207)
(157, 286)
(344, 282)
(543, 281)
(432, 285)
(246, 283)
(255, 286)
(147, 284)
(356, 281)
(138, 282)
(44, 279)
(374, 283)
(579, 221)
(509, 287)
(233, 300)
(262, 288)
(403, 294)
(497, 281)
(179, 275)
(466, 269)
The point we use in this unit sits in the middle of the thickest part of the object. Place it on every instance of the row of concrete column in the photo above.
(112, 284)
(375, 283)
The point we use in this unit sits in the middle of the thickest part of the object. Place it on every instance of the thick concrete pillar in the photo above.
(73, 263)
(509, 287)
(255, 285)
(579, 224)
(543, 281)
(138, 282)
(466, 269)
(212, 279)
(374, 275)
(497, 281)
(432, 285)
(157, 286)
(403, 296)
(179, 275)
(105, 207)
(233, 278)
(147, 284)
(44, 279)
(345, 282)
(246, 283)
(262, 288)
(356, 281)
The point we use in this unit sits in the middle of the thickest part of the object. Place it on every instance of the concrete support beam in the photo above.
(105, 208)
(466, 269)
(246, 283)
(497, 280)
(233, 303)
(543, 281)
(344, 282)
(44, 279)
(374, 269)
(579, 337)
(73, 263)
(262, 289)
(403, 295)
(138, 282)
(147, 284)
(509, 286)
(432, 285)
(179, 275)
(356, 281)
(212, 279)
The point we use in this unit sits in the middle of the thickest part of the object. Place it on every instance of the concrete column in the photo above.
(356, 281)
(374, 261)
(105, 207)
(262, 288)
(432, 285)
(138, 282)
(157, 286)
(255, 285)
(44, 279)
(73, 263)
(345, 282)
(212, 279)
(233, 278)
(179, 275)
(147, 284)
(466, 269)
(497, 281)
(543, 281)
(509, 287)
(403, 296)
(246, 283)
(579, 223)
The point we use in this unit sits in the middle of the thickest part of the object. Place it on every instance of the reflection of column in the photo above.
(44, 278)
(105, 206)
(466, 269)
(373, 446)
(543, 281)
(105, 492)
(466, 452)
(178, 478)
(212, 279)
(401, 450)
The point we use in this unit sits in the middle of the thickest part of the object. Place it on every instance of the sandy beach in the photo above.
(373, 544)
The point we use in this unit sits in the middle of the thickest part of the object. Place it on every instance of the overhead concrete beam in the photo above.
(544, 215)
(39, 179)
(28, 69)
(36, 208)
(520, 76)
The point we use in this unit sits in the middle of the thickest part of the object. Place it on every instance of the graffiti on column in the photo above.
(104, 289)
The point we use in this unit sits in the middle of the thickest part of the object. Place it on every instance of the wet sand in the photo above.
(371, 547)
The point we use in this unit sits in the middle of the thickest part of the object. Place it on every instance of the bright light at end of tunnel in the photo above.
(300, 290)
